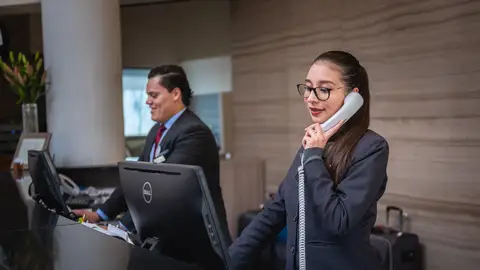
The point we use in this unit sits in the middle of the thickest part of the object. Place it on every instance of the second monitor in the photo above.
(172, 203)
(47, 183)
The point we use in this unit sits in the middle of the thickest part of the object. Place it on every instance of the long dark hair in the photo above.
(339, 149)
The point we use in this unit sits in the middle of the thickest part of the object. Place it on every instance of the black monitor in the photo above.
(47, 183)
(172, 204)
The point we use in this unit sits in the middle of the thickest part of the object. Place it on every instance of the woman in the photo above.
(345, 174)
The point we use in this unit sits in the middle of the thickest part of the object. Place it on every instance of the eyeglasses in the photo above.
(321, 93)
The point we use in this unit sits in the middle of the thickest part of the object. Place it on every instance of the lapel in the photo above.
(149, 142)
(173, 132)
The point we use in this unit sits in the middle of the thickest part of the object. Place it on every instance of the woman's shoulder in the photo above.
(371, 136)
(371, 142)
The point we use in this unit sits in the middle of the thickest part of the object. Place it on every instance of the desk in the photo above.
(34, 238)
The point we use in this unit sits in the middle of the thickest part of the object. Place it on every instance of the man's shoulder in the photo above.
(193, 130)
(191, 122)
(188, 120)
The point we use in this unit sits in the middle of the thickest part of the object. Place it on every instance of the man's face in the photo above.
(163, 104)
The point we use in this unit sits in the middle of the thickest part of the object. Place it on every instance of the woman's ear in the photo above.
(356, 89)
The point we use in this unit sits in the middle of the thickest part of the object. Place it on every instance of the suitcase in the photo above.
(397, 249)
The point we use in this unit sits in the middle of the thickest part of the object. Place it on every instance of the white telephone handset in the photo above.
(68, 186)
(352, 103)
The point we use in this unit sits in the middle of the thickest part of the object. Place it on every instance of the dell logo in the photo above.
(147, 192)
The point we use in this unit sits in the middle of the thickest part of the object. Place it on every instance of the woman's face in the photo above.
(326, 78)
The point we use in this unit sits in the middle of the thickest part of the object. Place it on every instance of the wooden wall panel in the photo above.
(174, 32)
(423, 62)
(243, 188)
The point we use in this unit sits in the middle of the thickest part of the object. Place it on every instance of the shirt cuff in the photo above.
(102, 215)
(123, 226)
(312, 154)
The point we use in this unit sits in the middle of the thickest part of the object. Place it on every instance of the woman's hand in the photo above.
(315, 137)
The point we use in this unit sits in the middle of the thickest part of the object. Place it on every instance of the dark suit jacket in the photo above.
(190, 142)
(338, 219)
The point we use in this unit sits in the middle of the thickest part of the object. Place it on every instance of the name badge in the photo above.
(159, 159)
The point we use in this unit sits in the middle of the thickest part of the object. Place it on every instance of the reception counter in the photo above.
(32, 237)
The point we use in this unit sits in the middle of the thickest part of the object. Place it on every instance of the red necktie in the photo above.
(160, 131)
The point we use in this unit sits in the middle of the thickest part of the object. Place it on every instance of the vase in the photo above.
(30, 117)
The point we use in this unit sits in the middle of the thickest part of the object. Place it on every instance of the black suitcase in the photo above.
(397, 249)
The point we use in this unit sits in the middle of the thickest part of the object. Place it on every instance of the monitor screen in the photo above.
(46, 182)
(172, 203)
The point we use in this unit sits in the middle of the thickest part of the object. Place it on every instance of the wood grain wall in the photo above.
(242, 188)
(423, 59)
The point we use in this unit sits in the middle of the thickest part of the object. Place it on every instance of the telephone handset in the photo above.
(68, 186)
(352, 103)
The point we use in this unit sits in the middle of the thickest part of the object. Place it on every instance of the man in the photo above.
(188, 141)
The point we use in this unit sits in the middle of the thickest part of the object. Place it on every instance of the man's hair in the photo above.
(171, 77)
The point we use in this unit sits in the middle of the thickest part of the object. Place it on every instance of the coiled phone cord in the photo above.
(301, 210)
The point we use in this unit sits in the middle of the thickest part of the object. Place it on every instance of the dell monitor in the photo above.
(172, 204)
(47, 183)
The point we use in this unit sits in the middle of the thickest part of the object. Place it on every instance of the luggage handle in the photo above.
(400, 214)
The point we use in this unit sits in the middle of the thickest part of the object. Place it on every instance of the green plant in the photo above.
(26, 79)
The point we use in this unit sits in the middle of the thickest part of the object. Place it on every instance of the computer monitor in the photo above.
(47, 183)
(172, 203)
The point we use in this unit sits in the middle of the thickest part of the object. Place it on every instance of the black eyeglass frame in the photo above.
(314, 89)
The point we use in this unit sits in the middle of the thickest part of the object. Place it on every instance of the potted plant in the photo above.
(27, 80)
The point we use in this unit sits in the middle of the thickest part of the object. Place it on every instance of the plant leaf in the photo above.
(26, 80)
(12, 58)
(21, 94)
(39, 65)
(6, 68)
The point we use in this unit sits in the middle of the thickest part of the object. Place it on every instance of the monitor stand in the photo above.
(37, 198)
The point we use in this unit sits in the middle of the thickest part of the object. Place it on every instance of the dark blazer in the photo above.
(338, 219)
(189, 142)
